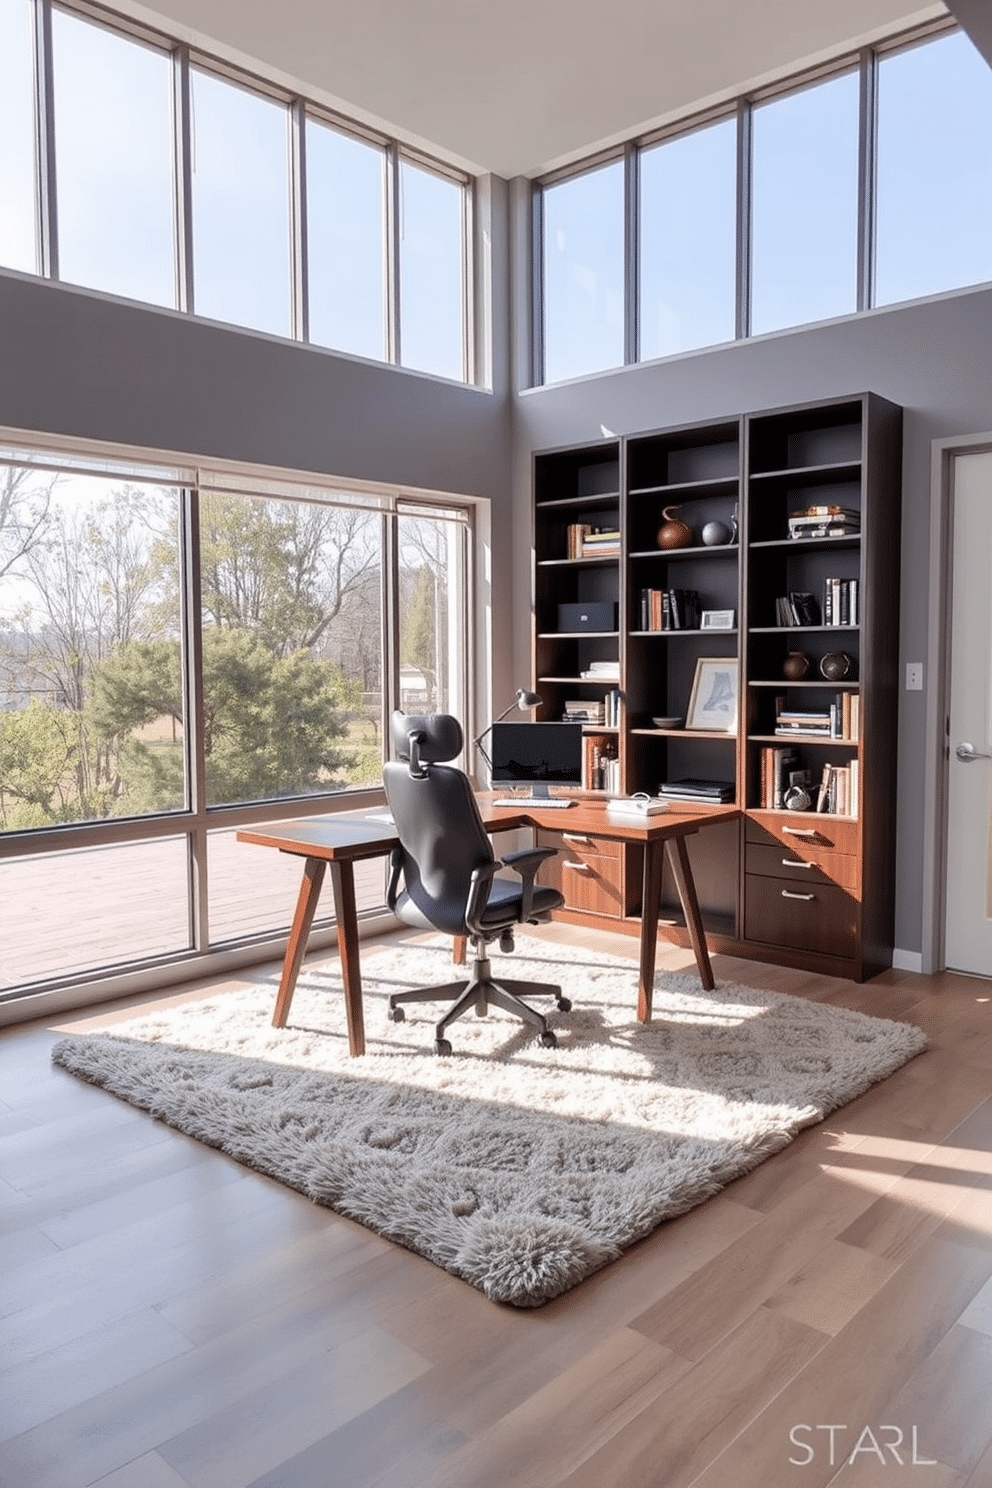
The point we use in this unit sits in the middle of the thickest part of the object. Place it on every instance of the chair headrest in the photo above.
(437, 737)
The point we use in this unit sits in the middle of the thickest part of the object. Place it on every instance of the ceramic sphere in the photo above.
(715, 534)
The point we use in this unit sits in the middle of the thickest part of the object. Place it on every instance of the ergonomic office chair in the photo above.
(442, 876)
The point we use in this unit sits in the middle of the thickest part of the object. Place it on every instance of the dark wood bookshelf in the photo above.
(756, 470)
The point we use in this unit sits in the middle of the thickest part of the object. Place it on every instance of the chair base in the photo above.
(481, 993)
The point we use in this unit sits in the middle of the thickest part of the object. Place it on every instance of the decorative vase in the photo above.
(673, 532)
(836, 665)
(796, 665)
(715, 534)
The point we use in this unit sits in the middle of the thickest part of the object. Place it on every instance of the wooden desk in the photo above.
(339, 841)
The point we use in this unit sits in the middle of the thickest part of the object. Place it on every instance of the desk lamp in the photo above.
(523, 699)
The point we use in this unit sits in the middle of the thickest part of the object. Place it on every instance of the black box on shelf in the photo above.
(597, 614)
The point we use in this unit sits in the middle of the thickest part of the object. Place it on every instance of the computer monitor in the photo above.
(538, 755)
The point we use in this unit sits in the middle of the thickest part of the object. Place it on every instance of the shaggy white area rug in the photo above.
(518, 1168)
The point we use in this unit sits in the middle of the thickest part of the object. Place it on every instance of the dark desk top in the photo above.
(351, 835)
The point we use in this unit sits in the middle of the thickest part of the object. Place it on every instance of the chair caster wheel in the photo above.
(442, 1046)
(397, 1015)
(564, 1005)
(548, 1040)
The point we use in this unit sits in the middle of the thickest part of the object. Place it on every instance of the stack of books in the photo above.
(824, 521)
(712, 792)
(813, 721)
(585, 541)
(841, 720)
(601, 671)
(581, 710)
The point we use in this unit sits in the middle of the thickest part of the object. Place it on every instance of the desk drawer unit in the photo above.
(587, 870)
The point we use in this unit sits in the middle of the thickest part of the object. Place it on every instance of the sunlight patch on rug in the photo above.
(519, 1169)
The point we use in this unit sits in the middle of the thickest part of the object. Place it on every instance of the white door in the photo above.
(968, 923)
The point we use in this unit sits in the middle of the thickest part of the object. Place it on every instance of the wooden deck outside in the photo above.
(95, 907)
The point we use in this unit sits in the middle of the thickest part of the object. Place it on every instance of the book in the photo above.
(692, 788)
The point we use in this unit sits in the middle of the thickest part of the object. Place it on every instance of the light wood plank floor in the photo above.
(168, 1318)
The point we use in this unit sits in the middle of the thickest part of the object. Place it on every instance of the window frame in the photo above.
(187, 57)
(864, 62)
(197, 820)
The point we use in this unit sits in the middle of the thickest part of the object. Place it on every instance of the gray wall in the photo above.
(932, 357)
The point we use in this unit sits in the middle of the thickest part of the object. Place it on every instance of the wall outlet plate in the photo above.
(914, 676)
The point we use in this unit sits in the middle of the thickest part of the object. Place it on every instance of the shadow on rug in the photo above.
(517, 1168)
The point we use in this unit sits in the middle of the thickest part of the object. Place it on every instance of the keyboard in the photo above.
(554, 803)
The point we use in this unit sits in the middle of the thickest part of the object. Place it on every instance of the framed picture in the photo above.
(717, 620)
(713, 701)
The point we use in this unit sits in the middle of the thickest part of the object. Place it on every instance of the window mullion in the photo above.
(392, 252)
(183, 168)
(631, 277)
(537, 282)
(745, 159)
(469, 285)
(867, 138)
(45, 143)
(390, 623)
(299, 253)
(196, 756)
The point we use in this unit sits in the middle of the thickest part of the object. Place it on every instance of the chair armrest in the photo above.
(526, 863)
(478, 895)
(393, 884)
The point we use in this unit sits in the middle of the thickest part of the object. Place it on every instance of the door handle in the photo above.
(966, 752)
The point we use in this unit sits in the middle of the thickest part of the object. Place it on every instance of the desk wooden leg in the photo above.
(678, 857)
(343, 881)
(458, 950)
(650, 904)
(306, 906)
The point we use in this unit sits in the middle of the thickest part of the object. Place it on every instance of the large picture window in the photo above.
(346, 214)
(858, 186)
(431, 264)
(688, 232)
(136, 166)
(934, 185)
(584, 273)
(241, 232)
(179, 648)
(114, 152)
(804, 255)
(18, 165)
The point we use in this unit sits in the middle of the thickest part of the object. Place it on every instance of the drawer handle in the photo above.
(787, 895)
(796, 863)
(574, 837)
(581, 867)
(801, 831)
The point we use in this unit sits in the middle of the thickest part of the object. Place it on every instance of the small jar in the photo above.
(795, 666)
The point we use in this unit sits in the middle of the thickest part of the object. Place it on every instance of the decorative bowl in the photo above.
(667, 723)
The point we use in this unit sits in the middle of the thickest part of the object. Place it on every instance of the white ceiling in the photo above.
(520, 86)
